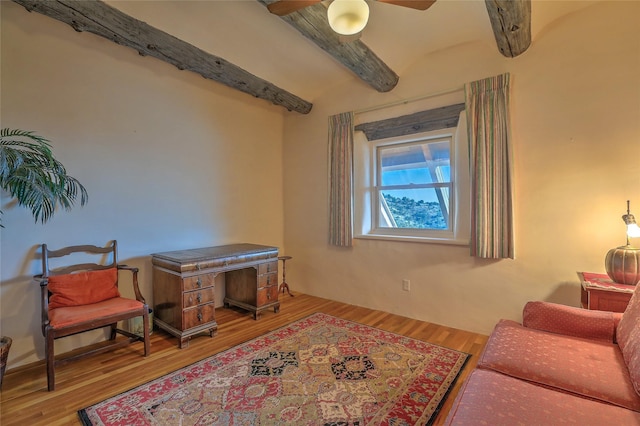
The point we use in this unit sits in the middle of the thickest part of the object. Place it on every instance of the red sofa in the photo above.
(562, 365)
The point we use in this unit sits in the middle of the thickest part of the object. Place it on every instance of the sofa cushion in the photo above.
(82, 288)
(490, 398)
(591, 368)
(628, 327)
(632, 358)
(629, 338)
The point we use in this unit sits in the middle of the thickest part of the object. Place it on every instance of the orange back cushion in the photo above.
(628, 335)
(83, 288)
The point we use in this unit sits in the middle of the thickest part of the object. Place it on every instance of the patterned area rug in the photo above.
(321, 370)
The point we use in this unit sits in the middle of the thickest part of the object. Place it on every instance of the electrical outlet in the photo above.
(406, 285)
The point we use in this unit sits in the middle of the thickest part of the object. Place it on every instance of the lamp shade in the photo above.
(633, 231)
(348, 17)
(623, 265)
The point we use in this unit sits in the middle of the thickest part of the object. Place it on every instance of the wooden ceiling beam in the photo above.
(101, 19)
(511, 24)
(312, 23)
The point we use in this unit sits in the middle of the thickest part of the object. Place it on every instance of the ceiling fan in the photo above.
(346, 17)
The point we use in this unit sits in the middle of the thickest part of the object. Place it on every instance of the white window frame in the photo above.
(365, 191)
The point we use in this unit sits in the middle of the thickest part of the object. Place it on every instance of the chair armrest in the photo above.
(128, 268)
(570, 321)
(136, 288)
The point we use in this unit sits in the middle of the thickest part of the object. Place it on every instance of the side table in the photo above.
(599, 292)
(284, 286)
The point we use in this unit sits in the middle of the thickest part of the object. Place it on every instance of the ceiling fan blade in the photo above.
(285, 7)
(413, 4)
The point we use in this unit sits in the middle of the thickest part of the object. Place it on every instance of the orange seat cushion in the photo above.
(72, 315)
(82, 288)
(590, 368)
(490, 398)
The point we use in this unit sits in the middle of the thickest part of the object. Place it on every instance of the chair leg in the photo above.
(114, 330)
(50, 359)
(145, 330)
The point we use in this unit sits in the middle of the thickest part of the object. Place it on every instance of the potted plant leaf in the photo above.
(30, 174)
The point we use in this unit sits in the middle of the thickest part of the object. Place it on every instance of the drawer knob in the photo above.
(268, 279)
(200, 316)
(268, 295)
(199, 283)
(199, 297)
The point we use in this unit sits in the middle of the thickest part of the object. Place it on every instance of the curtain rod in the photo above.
(406, 101)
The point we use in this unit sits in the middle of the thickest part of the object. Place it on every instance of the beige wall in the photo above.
(576, 139)
(170, 160)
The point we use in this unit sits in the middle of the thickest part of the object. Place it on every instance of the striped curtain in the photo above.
(487, 106)
(341, 179)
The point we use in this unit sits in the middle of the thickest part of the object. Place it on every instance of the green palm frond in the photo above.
(30, 173)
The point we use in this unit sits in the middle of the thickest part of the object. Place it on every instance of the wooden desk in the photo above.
(184, 284)
(600, 293)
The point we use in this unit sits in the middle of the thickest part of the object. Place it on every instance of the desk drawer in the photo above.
(198, 315)
(267, 295)
(198, 297)
(267, 280)
(267, 267)
(198, 282)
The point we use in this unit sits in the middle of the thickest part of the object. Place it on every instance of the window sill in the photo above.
(409, 239)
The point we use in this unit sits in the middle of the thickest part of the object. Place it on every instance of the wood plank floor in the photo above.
(25, 400)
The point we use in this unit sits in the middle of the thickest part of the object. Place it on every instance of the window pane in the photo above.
(417, 163)
(414, 208)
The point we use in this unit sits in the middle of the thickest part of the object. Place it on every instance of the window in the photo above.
(413, 187)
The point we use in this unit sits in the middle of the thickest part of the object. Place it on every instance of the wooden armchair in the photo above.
(85, 296)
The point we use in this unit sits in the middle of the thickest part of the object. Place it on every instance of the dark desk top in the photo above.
(211, 256)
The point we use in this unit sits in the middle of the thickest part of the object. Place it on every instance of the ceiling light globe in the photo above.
(348, 17)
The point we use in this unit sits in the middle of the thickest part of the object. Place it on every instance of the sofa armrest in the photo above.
(570, 321)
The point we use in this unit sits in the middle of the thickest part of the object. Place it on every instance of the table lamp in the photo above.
(623, 263)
